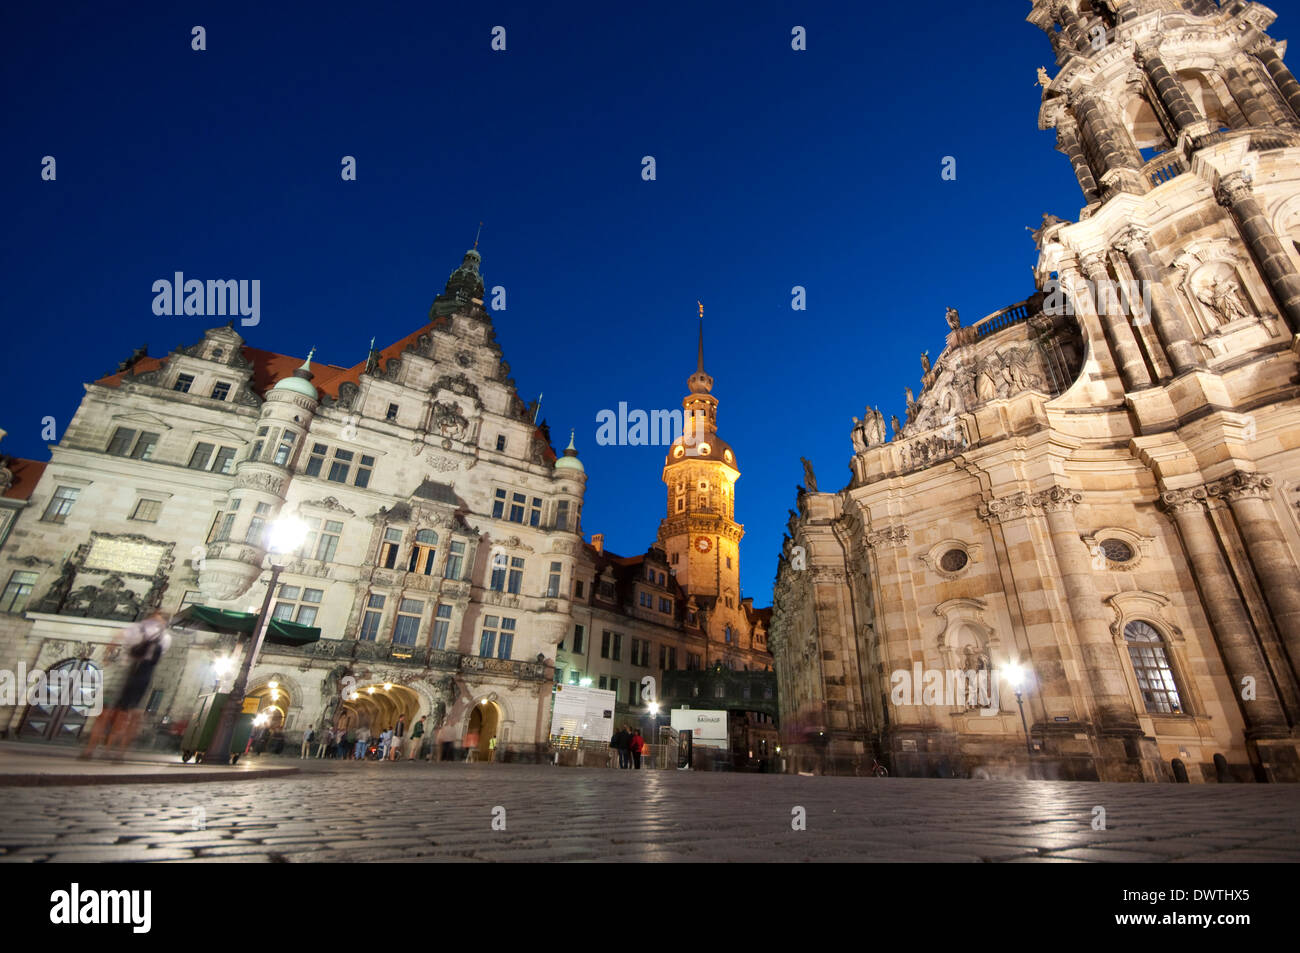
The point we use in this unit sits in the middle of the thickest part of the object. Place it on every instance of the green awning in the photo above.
(279, 632)
(284, 632)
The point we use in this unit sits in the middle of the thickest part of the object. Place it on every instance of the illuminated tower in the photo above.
(700, 534)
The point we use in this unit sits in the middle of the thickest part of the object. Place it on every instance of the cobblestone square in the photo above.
(359, 812)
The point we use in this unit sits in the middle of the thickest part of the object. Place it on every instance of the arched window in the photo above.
(1146, 650)
(422, 552)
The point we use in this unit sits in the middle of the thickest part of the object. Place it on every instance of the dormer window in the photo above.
(392, 412)
(220, 390)
(183, 383)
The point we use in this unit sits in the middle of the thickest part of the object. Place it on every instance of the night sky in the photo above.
(775, 168)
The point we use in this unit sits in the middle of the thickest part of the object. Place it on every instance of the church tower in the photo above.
(700, 534)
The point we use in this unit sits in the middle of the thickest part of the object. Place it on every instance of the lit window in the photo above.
(388, 549)
(1155, 676)
(257, 526)
(423, 552)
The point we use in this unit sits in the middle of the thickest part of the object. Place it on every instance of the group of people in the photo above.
(360, 744)
(629, 744)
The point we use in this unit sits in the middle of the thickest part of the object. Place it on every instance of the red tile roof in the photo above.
(26, 474)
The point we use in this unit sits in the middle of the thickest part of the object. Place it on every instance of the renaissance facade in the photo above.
(1095, 498)
(444, 561)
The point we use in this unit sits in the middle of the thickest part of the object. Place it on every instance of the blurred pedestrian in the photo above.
(144, 643)
(363, 742)
(416, 741)
(637, 745)
(307, 740)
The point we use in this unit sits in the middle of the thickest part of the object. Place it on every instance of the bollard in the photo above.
(1221, 772)
(1180, 771)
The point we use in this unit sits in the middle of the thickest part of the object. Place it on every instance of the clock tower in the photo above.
(699, 533)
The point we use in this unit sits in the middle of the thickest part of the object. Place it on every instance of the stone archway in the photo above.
(378, 706)
(483, 730)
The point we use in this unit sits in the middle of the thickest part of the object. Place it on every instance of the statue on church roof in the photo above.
(809, 478)
(925, 361)
(954, 319)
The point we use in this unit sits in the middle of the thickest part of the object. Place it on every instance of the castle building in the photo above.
(1097, 489)
(444, 561)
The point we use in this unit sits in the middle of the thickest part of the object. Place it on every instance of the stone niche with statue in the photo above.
(113, 576)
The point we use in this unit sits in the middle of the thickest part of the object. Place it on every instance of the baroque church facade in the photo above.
(444, 561)
(1097, 489)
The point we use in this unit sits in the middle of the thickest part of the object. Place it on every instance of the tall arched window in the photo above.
(1146, 650)
(422, 552)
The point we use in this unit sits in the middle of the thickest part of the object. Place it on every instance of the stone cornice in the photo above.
(1240, 485)
(894, 535)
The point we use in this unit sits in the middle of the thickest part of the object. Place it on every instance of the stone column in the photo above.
(1071, 27)
(1123, 343)
(1110, 690)
(1178, 105)
(1279, 578)
(1120, 161)
(1171, 326)
(1282, 77)
(1233, 632)
(1067, 141)
(1234, 194)
(1239, 86)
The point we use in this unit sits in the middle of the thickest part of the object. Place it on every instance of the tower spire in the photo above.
(699, 365)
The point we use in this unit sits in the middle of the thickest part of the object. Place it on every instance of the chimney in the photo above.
(598, 541)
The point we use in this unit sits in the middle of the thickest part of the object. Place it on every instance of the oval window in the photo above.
(954, 560)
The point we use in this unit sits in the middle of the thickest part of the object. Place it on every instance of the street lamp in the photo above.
(285, 536)
(1016, 676)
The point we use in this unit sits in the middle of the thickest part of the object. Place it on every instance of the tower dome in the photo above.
(300, 381)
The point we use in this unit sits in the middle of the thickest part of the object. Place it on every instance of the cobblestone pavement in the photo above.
(420, 812)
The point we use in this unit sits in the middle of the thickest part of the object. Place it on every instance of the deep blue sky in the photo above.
(775, 168)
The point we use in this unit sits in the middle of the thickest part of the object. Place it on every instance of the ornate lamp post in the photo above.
(285, 536)
(1016, 677)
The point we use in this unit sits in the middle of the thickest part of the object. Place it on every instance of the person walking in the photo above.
(385, 742)
(307, 740)
(363, 742)
(637, 745)
(398, 741)
(144, 643)
(416, 741)
(624, 747)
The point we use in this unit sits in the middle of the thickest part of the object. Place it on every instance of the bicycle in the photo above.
(878, 770)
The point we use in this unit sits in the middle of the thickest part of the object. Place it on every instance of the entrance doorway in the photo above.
(64, 722)
(482, 731)
(378, 707)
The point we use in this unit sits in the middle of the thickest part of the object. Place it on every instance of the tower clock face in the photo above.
(703, 543)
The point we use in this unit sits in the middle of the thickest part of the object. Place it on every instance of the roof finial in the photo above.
(477, 234)
(307, 363)
(699, 366)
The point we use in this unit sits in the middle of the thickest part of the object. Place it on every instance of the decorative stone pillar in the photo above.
(1067, 141)
(1239, 86)
(1248, 496)
(1242, 656)
(1177, 104)
(1110, 691)
(1286, 83)
(1234, 194)
(1071, 26)
(1123, 343)
(1121, 163)
(1171, 327)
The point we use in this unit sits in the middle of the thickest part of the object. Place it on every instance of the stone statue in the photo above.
(859, 435)
(911, 398)
(1043, 79)
(893, 419)
(1224, 299)
(875, 427)
(809, 478)
(954, 319)
(925, 362)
